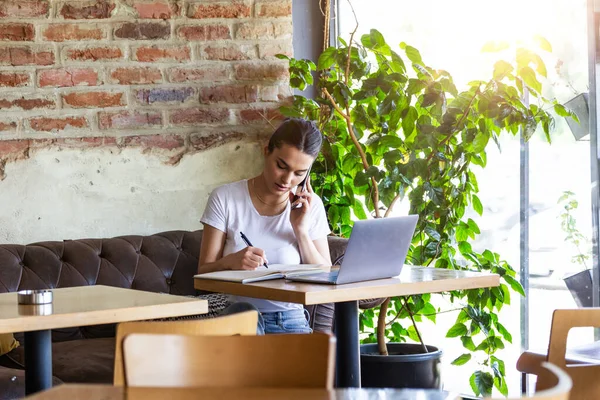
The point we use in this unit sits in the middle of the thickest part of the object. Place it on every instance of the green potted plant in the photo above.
(396, 132)
(580, 283)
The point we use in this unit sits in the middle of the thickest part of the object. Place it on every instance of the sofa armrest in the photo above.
(321, 317)
(370, 303)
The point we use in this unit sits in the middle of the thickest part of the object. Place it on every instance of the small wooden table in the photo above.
(81, 306)
(104, 392)
(412, 280)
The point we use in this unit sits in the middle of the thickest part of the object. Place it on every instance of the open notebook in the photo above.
(275, 271)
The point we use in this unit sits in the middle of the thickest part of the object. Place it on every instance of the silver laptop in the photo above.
(376, 250)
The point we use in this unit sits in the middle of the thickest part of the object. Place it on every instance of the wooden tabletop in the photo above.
(104, 392)
(412, 280)
(91, 305)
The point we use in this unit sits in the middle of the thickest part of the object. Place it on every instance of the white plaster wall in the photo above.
(73, 193)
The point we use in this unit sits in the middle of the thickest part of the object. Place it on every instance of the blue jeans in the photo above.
(292, 321)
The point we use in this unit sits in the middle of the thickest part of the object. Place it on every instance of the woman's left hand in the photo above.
(299, 216)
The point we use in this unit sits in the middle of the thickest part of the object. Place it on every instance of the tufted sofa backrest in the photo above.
(164, 262)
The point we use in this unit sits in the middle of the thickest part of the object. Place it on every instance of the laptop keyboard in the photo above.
(326, 276)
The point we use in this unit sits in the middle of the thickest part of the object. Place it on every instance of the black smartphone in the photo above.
(302, 186)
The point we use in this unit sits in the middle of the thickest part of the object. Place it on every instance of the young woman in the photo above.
(264, 209)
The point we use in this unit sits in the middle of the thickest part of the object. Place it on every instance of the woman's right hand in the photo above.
(248, 258)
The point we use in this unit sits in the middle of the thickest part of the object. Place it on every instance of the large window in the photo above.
(450, 36)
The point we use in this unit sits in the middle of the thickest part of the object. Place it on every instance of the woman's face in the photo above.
(285, 168)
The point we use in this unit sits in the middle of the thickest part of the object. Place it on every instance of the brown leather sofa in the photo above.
(164, 262)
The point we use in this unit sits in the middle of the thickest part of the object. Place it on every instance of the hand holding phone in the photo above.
(302, 187)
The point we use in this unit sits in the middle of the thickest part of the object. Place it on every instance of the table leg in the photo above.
(347, 348)
(38, 361)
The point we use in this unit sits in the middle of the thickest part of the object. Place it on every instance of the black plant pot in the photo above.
(406, 366)
(580, 286)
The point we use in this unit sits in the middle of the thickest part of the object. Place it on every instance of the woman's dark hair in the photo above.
(300, 133)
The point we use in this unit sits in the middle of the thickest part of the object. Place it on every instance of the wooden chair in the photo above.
(561, 388)
(243, 323)
(582, 364)
(271, 361)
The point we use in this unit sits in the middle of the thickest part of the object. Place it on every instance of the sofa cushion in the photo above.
(321, 317)
(12, 383)
(337, 248)
(79, 361)
(164, 262)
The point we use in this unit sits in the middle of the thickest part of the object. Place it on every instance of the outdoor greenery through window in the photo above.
(450, 36)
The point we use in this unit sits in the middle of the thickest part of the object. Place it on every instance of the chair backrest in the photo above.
(586, 385)
(290, 360)
(243, 323)
(561, 388)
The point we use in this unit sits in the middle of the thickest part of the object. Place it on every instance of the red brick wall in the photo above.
(152, 73)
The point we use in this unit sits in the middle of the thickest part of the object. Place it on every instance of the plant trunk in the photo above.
(382, 346)
(423, 347)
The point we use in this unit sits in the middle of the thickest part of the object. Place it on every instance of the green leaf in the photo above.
(361, 179)
(465, 248)
(541, 67)
(374, 40)
(462, 234)
(498, 342)
(494, 46)
(373, 171)
(488, 255)
(413, 54)
(457, 330)
(327, 58)
(428, 311)
(415, 86)
(467, 342)
(514, 284)
(506, 292)
(543, 43)
(499, 373)
(504, 332)
(367, 321)
(408, 122)
(500, 384)
(290, 112)
(498, 365)
(392, 156)
(432, 233)
(480, 142)
(473, 226)
(477, 206)
(473, 384)
(484, 382)
(390, 141)
(397, 329)
(430, 98)
(397, 63)
(462, 316)
(333, 214)
(561, 110)
(359, 210)
(462, 360)
(530, 79)
(502, 69)
(412, 333)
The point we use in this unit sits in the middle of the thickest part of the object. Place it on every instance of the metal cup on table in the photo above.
(35, 302)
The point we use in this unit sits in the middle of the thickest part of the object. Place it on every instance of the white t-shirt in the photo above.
(230, 210)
